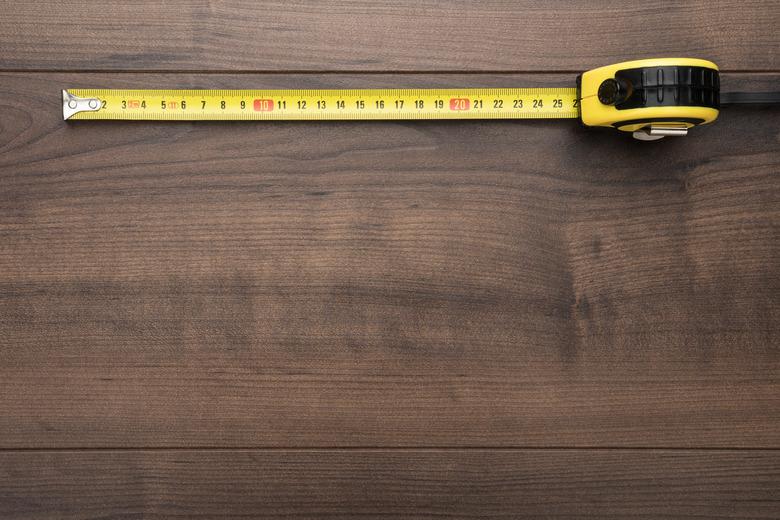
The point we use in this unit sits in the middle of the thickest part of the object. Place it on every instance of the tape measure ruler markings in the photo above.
(340, 104)
(652, 98)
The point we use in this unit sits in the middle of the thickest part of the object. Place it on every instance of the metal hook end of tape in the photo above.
(72, 105)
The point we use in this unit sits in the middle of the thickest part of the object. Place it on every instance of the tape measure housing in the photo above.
(676, 92)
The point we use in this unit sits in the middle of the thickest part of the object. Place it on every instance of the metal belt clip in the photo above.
(654, 132)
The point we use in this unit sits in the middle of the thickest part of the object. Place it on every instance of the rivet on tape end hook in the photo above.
(73, 105)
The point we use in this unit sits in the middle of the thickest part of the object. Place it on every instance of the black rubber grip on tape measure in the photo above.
(669, 86)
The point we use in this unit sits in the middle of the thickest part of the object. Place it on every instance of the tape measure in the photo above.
(652, 98)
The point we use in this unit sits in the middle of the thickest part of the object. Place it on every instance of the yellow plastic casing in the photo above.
(595, 113)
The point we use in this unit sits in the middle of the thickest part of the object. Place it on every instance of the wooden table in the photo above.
(396, 319)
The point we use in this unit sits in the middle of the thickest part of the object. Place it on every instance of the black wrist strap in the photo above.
(757, 98)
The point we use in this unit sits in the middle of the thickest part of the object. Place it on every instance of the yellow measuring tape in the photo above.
(270, 105)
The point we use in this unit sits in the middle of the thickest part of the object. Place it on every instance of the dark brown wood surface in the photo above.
(612, 484)
(411, 35)
(400, 319)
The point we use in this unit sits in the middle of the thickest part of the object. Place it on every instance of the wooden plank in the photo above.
(427, 35)
(397, 484)
(384, 284)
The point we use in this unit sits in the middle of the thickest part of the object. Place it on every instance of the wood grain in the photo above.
(384, 284)
(385, 319)
(339, 35)
(612, 484)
